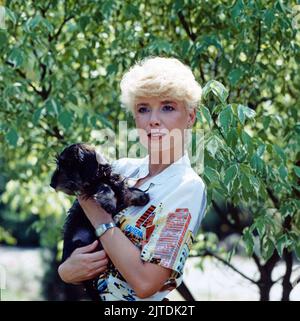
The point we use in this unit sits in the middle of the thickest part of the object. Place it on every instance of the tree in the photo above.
(61, 63)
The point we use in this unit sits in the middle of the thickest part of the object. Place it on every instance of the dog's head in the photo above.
(77, 168)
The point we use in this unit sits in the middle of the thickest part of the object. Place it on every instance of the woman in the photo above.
(148, 246)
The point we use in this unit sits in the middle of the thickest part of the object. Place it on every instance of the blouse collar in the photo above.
(172, 170)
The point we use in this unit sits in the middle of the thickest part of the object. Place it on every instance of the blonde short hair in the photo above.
(160, 77)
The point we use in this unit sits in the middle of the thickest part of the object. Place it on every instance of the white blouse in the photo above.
(164, 229)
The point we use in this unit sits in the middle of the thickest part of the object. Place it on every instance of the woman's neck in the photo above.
(160, 161)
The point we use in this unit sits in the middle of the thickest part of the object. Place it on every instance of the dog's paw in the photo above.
(109, 208)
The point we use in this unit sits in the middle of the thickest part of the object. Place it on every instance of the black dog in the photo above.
(82, 171)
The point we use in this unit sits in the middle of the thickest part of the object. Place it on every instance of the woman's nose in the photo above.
(154, 119)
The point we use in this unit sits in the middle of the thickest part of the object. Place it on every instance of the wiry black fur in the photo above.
(79, 172)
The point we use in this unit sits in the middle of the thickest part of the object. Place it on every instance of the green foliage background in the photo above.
(60, 67)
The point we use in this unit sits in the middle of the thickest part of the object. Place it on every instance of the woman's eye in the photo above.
(142, 109)
(168, 108)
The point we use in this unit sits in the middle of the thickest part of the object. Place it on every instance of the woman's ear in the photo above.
(192, 117)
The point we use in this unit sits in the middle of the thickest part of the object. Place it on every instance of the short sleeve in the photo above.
(125, 166)
(115, 165)
(176, 224)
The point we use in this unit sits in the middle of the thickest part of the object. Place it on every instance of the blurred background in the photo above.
(60, 67)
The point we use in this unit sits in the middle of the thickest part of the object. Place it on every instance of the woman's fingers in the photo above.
(97, 272)
(97, 268)
(96, 256)
(88, 248)
(84, 264)
(98, 264)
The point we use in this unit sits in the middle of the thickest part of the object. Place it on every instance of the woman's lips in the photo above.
(155, 136)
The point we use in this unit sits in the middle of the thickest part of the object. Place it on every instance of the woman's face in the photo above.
(158, 120)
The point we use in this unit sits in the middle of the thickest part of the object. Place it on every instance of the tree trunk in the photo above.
(265, 283)
(286, 282)
(265, 289)
(185, 292)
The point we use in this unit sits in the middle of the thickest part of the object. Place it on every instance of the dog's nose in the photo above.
(145, 199)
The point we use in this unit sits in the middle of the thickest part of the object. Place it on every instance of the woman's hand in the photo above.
(94, 212)
(83, 265)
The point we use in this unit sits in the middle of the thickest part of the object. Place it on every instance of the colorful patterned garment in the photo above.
(164, 229)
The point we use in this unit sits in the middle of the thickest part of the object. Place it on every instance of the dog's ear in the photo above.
(100, 158)
(79, 153)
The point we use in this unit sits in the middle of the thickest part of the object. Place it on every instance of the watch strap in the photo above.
(102, 228)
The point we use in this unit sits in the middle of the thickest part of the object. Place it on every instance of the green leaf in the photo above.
(211, 174)
(161, 45)
(48, 25)
(244, 111)
(199, 117)
(73, 99)
(237, 9)
(3, 39)
(12, 137)
(248, 240)
(266, 122)
(225, 118)
(6, 237)
(32, 23)
(241, 115)
(250, 113)
(230, 174)
(83, 22)
(36, 116)
(65, 118)
(254, 181)
(178, 5)
(16, 57)
(235, 75)
(107, 8)
(297, 170)
(246, 139)
(112, 69)
(232, 138)
(207, 115)
(245, 181)
(231, 253)
(11, 15)
(213, 145)
(278, 151)
(217, 89)
(287, 209)
(269, 18)
(280, 244)
(267, 248)
(104, 121)
(51, 106)
(282, 172)
(260, 226)
(260, 150)
(131, 11)
(257, 163)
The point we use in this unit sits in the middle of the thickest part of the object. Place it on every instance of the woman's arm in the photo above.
(145, 278)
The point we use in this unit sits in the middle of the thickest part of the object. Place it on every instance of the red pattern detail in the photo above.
(149, 231)
(147, 218)
(172, 236)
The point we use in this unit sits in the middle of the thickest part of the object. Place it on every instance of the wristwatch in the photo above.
(102, 228)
